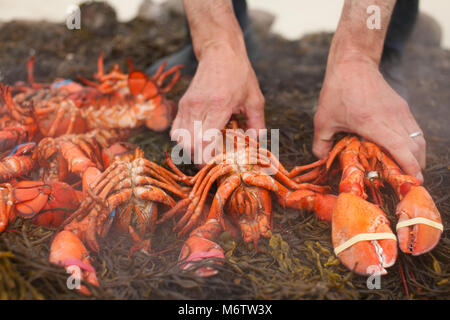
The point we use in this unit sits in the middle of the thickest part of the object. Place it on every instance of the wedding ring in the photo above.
(415, 134)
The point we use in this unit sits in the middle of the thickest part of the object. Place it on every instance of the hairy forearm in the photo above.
(353, 39)
(213, 24)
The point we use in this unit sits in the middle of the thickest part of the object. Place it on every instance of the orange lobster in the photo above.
(125, 195)
(361, 234)
(246, 178)
(118, 102)
(123, 101)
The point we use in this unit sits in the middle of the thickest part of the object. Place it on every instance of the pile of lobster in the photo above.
(65, 164)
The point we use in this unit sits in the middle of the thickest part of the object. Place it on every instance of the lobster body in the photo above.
(246, 177)
(361, 233)
(125, 196)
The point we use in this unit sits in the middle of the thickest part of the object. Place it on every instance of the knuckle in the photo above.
(361, 116)
(194, 102)
(218, 100)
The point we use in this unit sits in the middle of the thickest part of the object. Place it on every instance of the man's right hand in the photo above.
(224, 83)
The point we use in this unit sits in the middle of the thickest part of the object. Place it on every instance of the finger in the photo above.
(323, 137)
(211, 130)
(215, 119)
(400, 128)
(254, 112)
(174, 130)
(396, 145)
(182, 130)
(416, 144)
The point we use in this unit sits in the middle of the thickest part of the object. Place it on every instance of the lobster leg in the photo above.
(18, 164)
(77, 160)
(303, 199)
(12, 136)
(160, 79)
(142, 180)
(154, 194)
(189, 221)
(56, 123)
(200, 244)
(314, 176)
(298, 169)
(200, 188)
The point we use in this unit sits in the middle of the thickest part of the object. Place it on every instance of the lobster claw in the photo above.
(139, 83)
(196, 249)
(162, 116)
(144, 88)
(420, 225)
(67, 250)
(361, 235)
(30, 197)
(62, 202)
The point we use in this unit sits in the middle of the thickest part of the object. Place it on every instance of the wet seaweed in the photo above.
(297, 262)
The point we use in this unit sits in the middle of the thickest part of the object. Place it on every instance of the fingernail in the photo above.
(420, 176)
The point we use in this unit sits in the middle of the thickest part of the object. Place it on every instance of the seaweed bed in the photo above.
(297, 262)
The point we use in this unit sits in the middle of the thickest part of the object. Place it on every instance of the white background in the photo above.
(294, 17)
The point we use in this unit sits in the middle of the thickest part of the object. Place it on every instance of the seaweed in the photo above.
(297, 262)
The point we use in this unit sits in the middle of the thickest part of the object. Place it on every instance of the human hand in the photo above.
(224, 84)
(356, 98)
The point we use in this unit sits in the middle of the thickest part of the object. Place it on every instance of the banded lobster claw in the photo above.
(198, 247)
(419, 225)
(361, 236)
(67, 250)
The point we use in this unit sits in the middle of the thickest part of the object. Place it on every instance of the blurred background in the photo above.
(293, 18)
